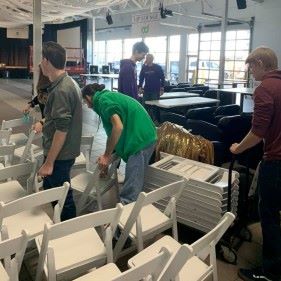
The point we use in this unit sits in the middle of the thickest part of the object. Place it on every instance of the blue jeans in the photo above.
(61, 174)
(134, 175)
(269, 186)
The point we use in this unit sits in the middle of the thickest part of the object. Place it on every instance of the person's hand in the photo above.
(104, 173)
(235, 148)
(103, 162)
(140, 92)
(46, 169)
(161, 91)
(37, 127)
(26, 110)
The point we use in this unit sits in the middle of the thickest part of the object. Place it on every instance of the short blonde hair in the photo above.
(266, 55)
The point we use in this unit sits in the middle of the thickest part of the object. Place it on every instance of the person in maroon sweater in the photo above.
(266, 125)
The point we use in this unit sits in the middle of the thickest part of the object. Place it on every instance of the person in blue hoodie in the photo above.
(127, 82)
(153, 76)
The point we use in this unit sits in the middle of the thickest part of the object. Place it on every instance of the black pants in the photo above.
(61, 174)
(269, 185)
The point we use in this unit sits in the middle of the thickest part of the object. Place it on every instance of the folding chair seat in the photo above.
(12, 252)
(141, 220)
(83, 160)
(27, 212)
(10, 188)
(29, 151)
(18, 138)
(182, 265)
(69, 249)
(91, 186)
(110, 272)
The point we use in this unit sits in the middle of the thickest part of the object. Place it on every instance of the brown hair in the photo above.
(55, 54)
(265, 55)
(43, 81)
(91, 89)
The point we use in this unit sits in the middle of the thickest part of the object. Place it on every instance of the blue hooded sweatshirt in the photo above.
(127, 82)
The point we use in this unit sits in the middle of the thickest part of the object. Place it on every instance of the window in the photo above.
(128, 46)
(236, 52)
(209, 55)
(158, 48)
(114, 54)
(192, 51)
(174, 57)
(99, 53)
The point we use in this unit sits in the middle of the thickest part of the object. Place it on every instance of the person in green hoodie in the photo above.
(131, 134)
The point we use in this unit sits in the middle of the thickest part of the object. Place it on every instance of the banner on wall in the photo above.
(18, 32)
(144, 25)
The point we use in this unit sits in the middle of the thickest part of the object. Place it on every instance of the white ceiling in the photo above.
(20, 12)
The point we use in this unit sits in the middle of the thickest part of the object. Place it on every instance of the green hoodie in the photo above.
(138, 129)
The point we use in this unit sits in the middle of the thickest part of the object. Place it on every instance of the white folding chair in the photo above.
(10, 187)
(7, 154)
(141, 220)
(183, 267)
(29, 151)
(150, 269)
(91, 186)
(18, 138)
(5, 136)
(83, 160)
(27, 212)
(12, 247)
(70, 248)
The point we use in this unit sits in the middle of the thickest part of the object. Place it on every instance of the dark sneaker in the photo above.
(252, 274)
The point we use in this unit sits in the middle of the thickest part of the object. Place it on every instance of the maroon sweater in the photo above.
(266, 121)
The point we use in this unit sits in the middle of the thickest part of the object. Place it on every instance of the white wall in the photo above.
(70, 37)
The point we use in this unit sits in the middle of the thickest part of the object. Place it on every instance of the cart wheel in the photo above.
(227, 254)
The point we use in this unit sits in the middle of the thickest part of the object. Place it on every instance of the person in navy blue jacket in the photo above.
(152, 76)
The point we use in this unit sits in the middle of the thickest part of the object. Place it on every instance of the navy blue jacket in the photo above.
(153, 76)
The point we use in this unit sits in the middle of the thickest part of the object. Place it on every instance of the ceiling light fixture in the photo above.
(109, 19)
(165, 12)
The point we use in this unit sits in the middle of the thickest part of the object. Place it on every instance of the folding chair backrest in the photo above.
(151, 268)
(7, 151)
(27, 150)
(13, 247)
(109, 216)
(100, 184)
(173, 191)
(16, 123)
(5, 136)
(205, 244)
(35, 200)
(176, 262)
(19, 170)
